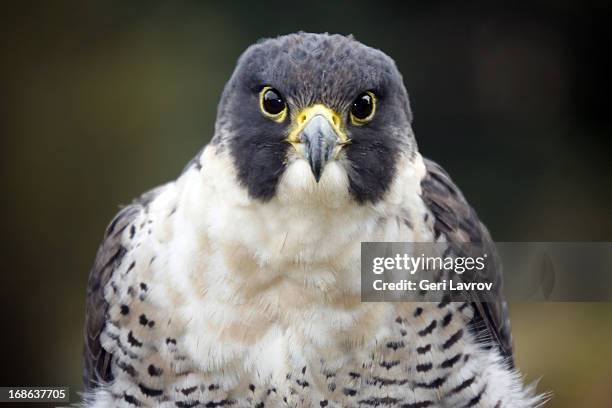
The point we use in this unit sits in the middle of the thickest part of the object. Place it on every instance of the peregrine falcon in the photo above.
(237, 284)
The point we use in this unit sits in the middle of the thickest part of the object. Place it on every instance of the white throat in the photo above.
(305, 222)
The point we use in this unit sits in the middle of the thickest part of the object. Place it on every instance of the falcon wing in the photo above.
(97, 368)
(458, 223)
(97, 361)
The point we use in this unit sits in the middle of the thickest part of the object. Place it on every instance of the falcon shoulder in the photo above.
(458, 223)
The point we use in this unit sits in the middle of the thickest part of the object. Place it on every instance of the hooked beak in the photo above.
(318, 137)
(319, 140)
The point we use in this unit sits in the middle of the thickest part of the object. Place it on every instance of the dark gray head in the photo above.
(316, 97)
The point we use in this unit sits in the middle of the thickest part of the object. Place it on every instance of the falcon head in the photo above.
(313, 114)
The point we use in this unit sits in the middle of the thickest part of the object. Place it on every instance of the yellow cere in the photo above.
(303, 117)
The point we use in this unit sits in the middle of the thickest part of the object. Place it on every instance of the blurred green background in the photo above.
(100, 101)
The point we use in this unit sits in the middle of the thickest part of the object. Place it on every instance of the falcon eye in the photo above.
(272, 104)
(363, 108)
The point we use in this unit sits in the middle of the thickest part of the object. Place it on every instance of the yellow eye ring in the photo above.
(363, 108)
(272, 104)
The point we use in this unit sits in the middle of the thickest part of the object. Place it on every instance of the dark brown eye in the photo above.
(273, 104)
(362, 109)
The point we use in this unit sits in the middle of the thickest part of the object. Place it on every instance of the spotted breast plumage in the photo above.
(237, 284)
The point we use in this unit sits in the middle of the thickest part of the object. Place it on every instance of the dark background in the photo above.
(100, 101)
